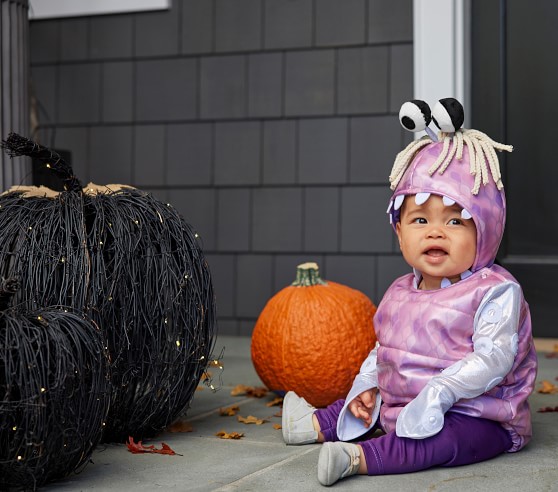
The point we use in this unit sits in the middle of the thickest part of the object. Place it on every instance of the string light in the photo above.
(129, 287)
(69, 358)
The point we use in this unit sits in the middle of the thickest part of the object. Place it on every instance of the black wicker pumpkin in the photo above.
(54, 394)
(133, 265)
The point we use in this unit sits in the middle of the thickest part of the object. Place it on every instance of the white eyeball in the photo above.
(448, 115)
(415, 115)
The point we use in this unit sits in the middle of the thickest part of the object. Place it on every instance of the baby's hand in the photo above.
(363, 406)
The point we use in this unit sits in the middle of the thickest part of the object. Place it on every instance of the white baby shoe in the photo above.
(296, 422)
(337, 460)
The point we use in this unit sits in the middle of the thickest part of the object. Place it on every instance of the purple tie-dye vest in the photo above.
(423, 332)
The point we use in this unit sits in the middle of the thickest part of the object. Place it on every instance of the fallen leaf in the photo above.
(239, 390)
(547, 409)
(274, 403)
(251, 420)
(554, 353)
(257, 392)
(277, 426)
(199, 388)
(547, 388)
(229, 411)
(138, 447)
(279, 413)
(180, 426)
(232, 435)
(254, 391)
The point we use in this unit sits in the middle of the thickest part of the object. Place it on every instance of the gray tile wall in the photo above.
(270, 124)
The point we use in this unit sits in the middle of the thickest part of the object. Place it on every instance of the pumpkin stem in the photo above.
(8, 287)
(16, 145)
(308, 274)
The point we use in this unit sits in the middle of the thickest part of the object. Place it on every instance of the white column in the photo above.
(14, 97)
(441, 50)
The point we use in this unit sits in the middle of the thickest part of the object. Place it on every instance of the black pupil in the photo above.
(408, 123)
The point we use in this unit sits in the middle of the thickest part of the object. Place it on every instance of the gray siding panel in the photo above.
(253, 284)
(233, 219)
(323, 151)
(321, 219)
(362, 80)
(375, 140)
(390, 21)
(265, 85)
(238, 25)
(149, 155)
(279, 152)
(237, 153)
(277, 222)
(189, 154)
(118, 92)
(110, 153)
(309, 84)
(166, 90)
(288, 24)
(79, 93)
(197, 26)
(111, 36)
(340, 22)
(223, 87)
(156, 34)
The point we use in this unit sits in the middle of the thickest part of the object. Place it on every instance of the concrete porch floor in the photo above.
(261, 461)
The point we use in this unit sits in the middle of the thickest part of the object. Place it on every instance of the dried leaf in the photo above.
(251, 420)
(278, 414)
(138, 447)
(232, 435)
(257, 392)
(229, 411)
(199, 388)
(547, 388)
(239, 390)
(180, 426)
(554, 353)
(277, 426)
(253, 391)
(547, 409)
(273, 403)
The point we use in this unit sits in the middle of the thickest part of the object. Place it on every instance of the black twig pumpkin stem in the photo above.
(16, 145)
(8, 287)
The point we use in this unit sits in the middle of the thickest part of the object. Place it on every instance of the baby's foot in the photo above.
(337, 460)
(297, 423)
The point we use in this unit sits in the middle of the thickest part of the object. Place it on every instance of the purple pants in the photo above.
(462, 441)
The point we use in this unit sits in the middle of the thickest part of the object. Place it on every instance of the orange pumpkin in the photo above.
(312, 337)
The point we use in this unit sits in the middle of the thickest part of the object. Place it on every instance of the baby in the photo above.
(449, 378)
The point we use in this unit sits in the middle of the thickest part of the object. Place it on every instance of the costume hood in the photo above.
(462, 167)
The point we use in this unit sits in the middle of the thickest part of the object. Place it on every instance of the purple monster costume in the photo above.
(455, 366)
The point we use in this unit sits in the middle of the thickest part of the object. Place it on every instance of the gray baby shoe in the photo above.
(337, 460)
(296, 422)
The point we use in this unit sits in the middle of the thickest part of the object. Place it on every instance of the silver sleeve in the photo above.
(348, 426)
(495, 344)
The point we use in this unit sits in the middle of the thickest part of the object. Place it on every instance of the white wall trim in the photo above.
(44, 9)
(442, 51)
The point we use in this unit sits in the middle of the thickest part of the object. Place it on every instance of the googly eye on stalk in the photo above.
(415, 115)
(448, 115)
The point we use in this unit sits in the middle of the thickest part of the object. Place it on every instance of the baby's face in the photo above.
(436, 240)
